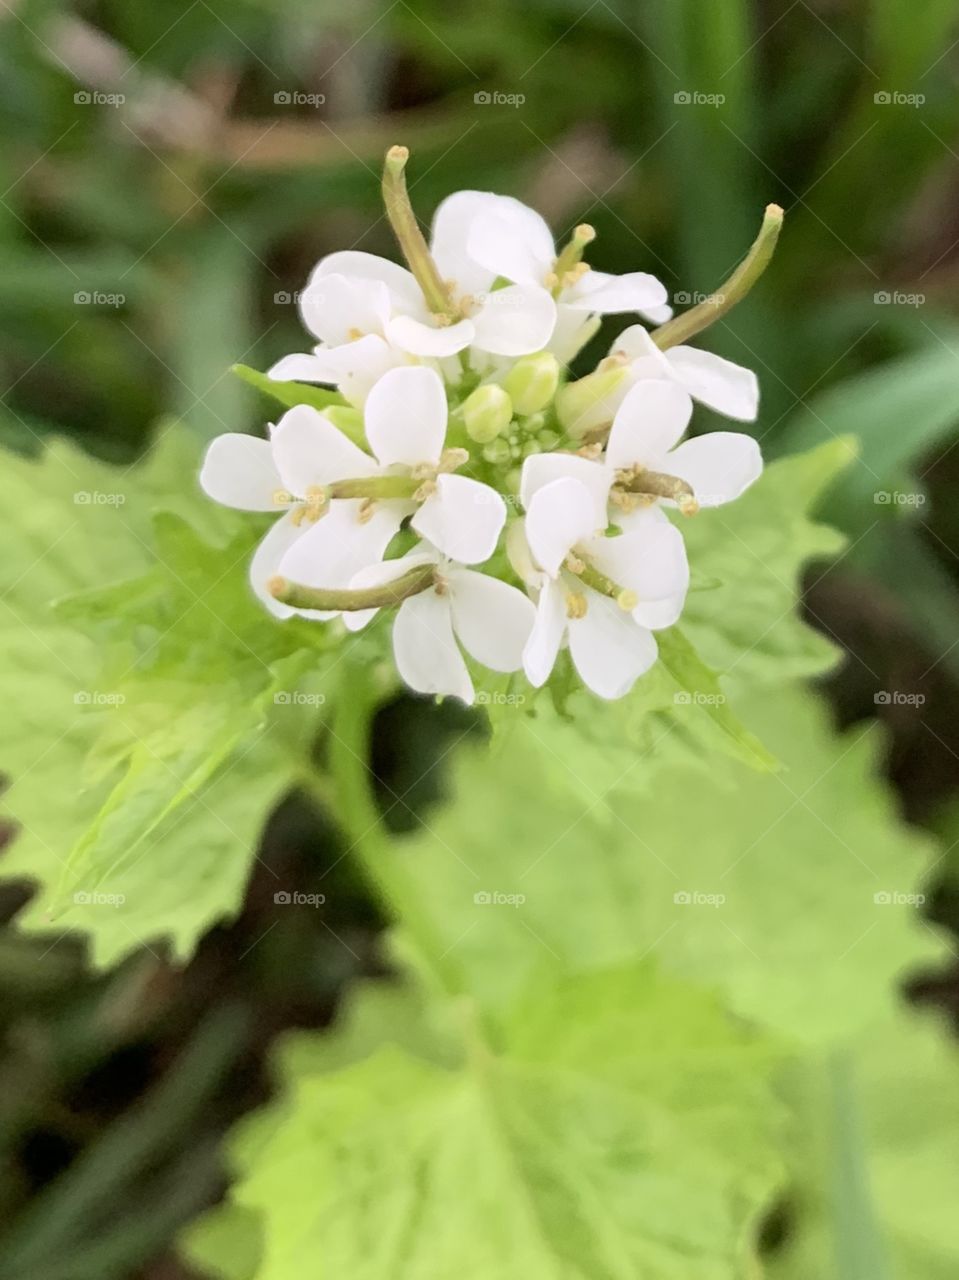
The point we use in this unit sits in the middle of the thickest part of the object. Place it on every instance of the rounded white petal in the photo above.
(512, 241)
(571, 333)
(463, 519)
(719, 466)
(650, 561)
(609, 650)
(265, 564)
(650, 421)
(361, 365)
(559, 515)
(728, 388)
(608, 294)
(378, 575)
(421, 338)
(542, 647)
(338, 309)
(515, 321)
(424, 648)
(404, 291)
(450, 236)
(238, 471)
(492, 620)
(303, 368)
(309, 451)
(333, 550)
(645, 359)
(657, 315)
(657, 614)
(405, 417)
(541, 469)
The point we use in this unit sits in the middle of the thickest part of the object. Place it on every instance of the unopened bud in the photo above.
(532, 382)
(498, 451)
(486, 413)
(591, 402)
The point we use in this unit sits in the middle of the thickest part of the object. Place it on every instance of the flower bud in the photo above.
(591, 402)
(498, 451)
(486, 413)
(532, 382)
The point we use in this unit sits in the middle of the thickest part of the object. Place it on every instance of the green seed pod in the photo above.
(532, 382)
(486, 413)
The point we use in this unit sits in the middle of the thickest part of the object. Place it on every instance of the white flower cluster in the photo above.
(458, 422)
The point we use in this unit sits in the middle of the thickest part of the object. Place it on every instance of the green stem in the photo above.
(696, 319)
(335, 599)
(382, 865)
(410, 237)
(375, 487)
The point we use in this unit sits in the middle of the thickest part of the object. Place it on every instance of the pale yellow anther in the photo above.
(354, 334)
(688, 506)
(627, 600)
(551, 280)
(574, 564)
(452, 459)
(590, 451)
(426, 490)
(365, 513)
(575, 273)
(575, 605)
(584, 233)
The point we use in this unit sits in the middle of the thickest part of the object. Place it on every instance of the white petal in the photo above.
(463, 518)
(571, 333)
(377, 575)
(362, 364)
(650, 561)
(609, 294)
(645, 358)
(404, 290)
(539, 656)
(649, 422)
(308, 450)
(405, 417)
(238, 471)
(512, 241)
(421, 338)
(559, 516)
(339, 309)
(608, 649)
(657, 315)
(303, 368)
(450, 236)
(266, 563)
(515, 321)
(718, 466)
(728, 388)
(657, 614)
(333, 550)
(424, 648)
(492, 620)
(541, 469)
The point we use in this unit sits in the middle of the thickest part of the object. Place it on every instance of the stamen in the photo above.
(576, 605)
(452, 459)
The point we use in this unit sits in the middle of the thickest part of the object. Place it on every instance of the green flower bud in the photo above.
(486, 413)
(498, 451)
(591, 402)
(548, 439)
(532, 382)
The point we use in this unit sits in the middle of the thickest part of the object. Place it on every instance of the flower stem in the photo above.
(696, 319)
(335, 599)
(410, 237)
(383, 866)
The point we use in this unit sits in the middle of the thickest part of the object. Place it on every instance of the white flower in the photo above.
(581, 570)
(645, 435)
(729, 388)
(512, 241)
(370, 314)
(305, 453)
(405, 420)
(489, 618)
